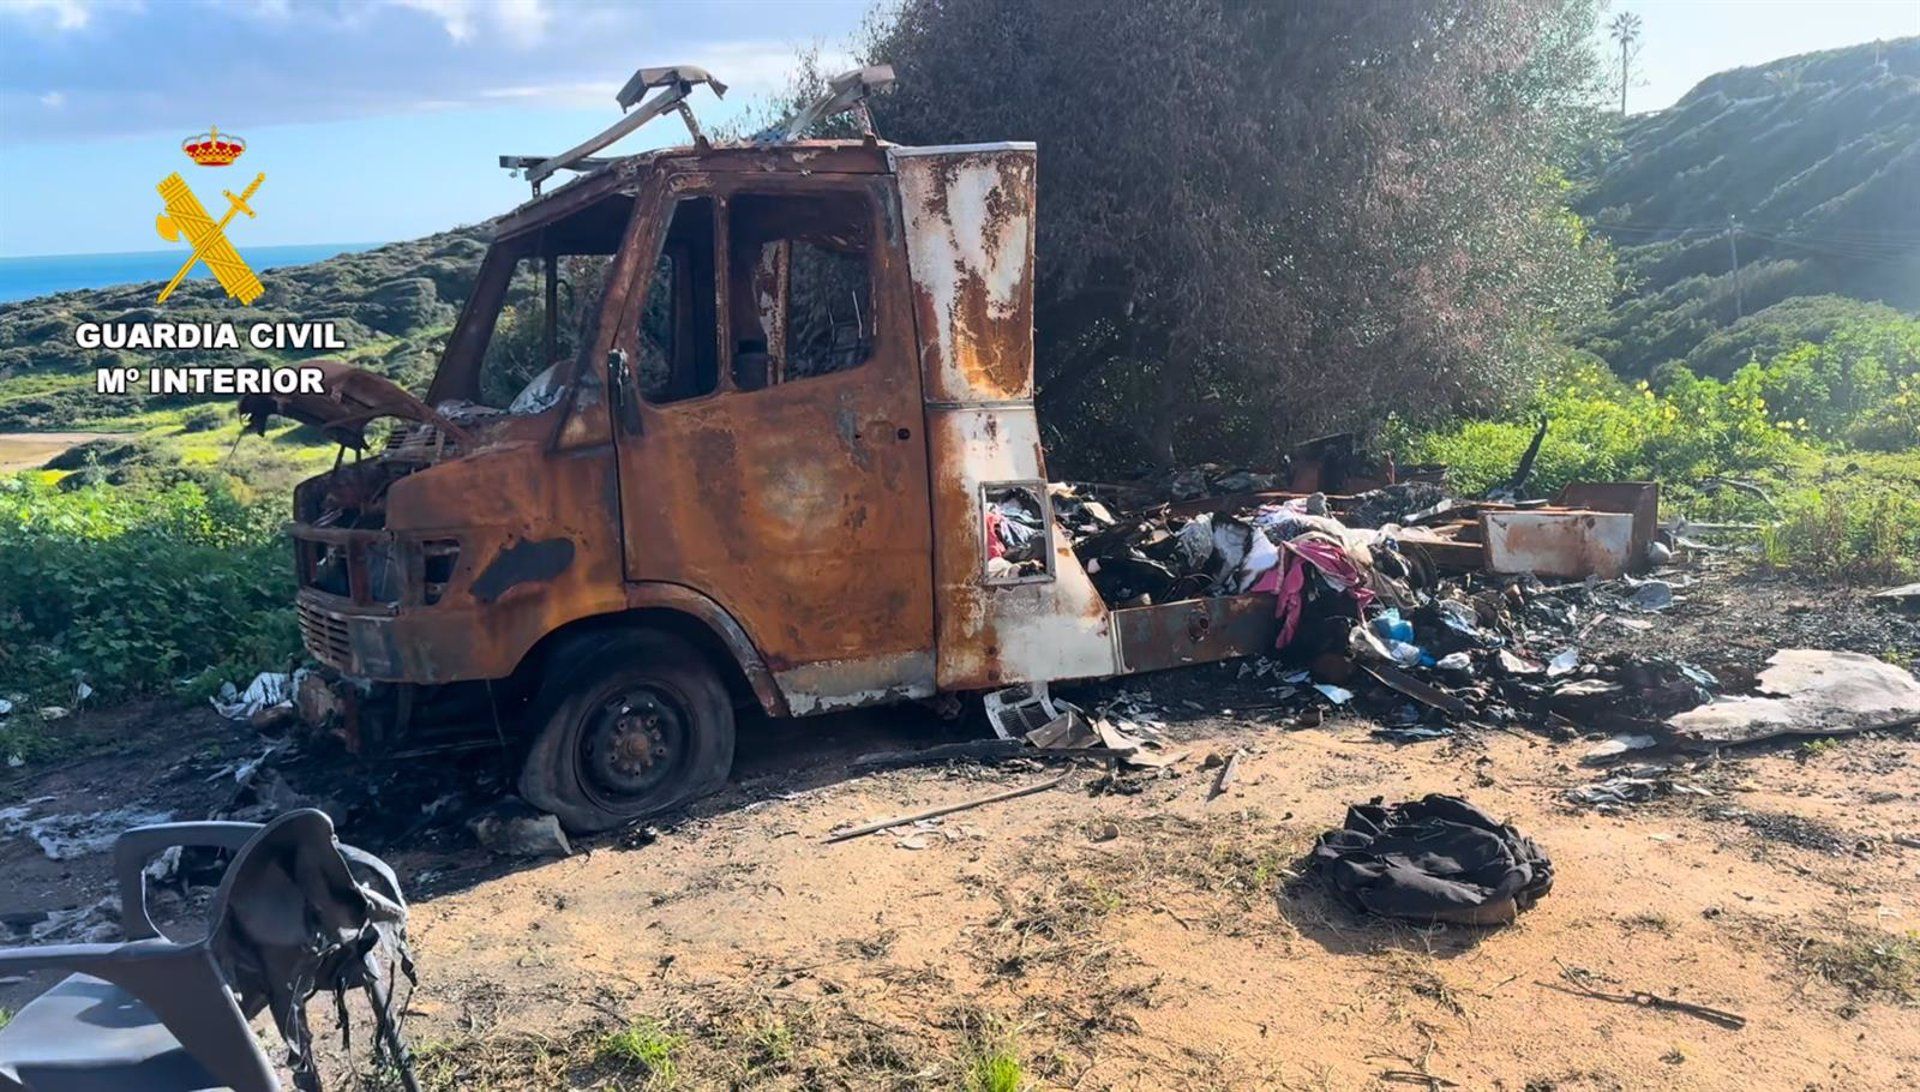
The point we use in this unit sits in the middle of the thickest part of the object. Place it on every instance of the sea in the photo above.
(25, 278)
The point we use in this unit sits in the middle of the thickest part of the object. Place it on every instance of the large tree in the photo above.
(1259, 220)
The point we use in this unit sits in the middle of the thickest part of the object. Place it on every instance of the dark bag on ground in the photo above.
(1430, 860)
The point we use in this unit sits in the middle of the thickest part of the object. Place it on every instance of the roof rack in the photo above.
(675, 84)
(848, 91)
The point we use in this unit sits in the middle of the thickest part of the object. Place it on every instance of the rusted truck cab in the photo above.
(757, 469)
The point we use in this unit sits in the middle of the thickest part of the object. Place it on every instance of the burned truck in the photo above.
(764, 472)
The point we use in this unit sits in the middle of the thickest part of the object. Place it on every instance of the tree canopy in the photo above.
(1258, 221)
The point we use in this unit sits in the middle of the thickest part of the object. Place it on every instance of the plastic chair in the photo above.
(290, 917)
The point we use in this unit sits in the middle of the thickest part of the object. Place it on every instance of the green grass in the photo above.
(995, 1067)
(645, 1048)
(1817, 748)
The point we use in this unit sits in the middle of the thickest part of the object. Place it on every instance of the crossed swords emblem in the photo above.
(186, 216)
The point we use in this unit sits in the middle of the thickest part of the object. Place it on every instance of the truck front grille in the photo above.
(325, 635)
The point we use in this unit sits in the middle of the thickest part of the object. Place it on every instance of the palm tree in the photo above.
(1625, 29)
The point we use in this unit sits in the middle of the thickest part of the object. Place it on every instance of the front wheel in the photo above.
(629, 725)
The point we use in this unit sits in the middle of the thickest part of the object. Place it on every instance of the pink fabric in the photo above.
(1288, 580)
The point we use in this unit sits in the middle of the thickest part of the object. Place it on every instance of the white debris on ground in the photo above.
(67, 836)
(1807, 691)
(269, 690)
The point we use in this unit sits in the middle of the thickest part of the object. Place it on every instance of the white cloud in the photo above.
(522, 21)
(518, 22)
(53, 100)
(63, 14)
(752, 68)
(583, 93)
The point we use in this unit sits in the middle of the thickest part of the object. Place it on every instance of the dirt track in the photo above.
(26, 450)
(1175, 948)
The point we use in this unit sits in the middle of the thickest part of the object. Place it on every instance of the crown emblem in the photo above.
(213, 149)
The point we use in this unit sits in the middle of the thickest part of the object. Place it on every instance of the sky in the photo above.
(377, 120)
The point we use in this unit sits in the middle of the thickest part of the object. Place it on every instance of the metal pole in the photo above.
(1733, 245)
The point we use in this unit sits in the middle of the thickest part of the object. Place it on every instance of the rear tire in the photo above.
(628, 725)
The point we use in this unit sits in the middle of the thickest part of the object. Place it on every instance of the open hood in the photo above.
(351, 399)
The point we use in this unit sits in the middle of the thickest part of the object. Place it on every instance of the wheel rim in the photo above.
(634, 744)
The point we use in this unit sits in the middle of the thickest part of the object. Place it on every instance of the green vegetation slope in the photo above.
(1816, 160)
(392, 305)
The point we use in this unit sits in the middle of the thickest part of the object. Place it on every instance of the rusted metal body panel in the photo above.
(800, 507)
(1570, 544)
(970, 227)
(536, 545)
(1195, 631)
(1641, 500)
(968, 216)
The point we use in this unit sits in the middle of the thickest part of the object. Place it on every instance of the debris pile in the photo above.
(1433, 615)
(1439, 602)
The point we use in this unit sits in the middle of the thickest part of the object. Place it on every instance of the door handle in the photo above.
(620, 393)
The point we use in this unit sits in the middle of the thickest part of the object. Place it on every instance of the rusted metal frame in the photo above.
(615, 300)
(796, 158)
(404, 551)
(576, 194)
(679, 598)
(723, 291)
(773, 279)
(1190, 631)
(815, 156)
(649, 238)
(342, 606)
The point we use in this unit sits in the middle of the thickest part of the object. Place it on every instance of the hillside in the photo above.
(392, 304)
(1817, 160)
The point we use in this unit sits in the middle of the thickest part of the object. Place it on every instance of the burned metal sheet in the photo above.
(1569, 544)
(993, 634)
(522, 563)
(1641, 500)
(799, 505)
(351, 398)
(1195, 631)
(969, 230)
(968, 219)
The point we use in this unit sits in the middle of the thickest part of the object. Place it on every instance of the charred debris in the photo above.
(1433, 616)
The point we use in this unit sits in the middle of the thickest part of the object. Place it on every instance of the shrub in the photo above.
(205, 418)
(1854, 531)
(135, 588)
(1601, 429)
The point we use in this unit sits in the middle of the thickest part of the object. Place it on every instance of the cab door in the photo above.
(770, 444)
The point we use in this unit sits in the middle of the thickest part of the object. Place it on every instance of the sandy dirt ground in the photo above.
(1160, 940)
(26, 450)
(1139, 935)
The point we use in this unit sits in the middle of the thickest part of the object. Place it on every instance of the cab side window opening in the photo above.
(677, 356)
(800, 291)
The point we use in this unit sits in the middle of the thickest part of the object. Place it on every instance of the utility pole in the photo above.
(1733, 245)
(1625, 29)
